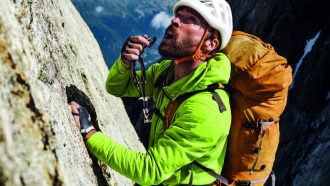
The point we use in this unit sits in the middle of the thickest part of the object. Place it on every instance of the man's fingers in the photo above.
(135, 46)
(140, 39)
(74, 108)
(132, 51)
(72, 103)
(130, 57)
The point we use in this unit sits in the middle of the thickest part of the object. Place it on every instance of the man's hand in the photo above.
(133, 48)
(74, 109)
(82, 119)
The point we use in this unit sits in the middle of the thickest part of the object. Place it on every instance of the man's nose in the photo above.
(176, 21)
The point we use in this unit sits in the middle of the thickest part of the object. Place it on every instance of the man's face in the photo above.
(184, 34)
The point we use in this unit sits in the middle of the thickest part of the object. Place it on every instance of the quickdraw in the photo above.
(141, 85)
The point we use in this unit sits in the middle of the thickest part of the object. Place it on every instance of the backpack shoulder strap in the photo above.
(174, 105)
(217, 98)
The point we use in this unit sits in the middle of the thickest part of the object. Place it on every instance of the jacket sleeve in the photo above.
(119, 83)
(194, 132)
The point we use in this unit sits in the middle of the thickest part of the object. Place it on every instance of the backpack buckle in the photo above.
(257, 124)
(252, 125)
(243, 183)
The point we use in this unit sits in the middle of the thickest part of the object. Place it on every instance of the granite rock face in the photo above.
(48, 56)
(302, 157)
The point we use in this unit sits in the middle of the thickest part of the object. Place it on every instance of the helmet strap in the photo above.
(198, 54)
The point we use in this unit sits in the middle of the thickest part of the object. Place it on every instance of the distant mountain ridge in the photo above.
(113, 21)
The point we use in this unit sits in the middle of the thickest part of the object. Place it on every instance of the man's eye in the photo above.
(191, 20)
(188, 20)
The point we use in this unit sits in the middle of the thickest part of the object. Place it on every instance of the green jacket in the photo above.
(198, 131)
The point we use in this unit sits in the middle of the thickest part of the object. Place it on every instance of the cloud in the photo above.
(99, 9)
(161, 19)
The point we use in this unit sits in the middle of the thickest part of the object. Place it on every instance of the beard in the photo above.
(174, 46)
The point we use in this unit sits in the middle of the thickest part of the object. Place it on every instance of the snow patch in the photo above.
(308, 47)
(161, 20)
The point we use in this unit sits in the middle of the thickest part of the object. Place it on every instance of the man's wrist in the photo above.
(89, 134)
(124, 62)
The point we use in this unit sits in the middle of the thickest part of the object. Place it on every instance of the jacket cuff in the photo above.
(121, 64)
(95, 138)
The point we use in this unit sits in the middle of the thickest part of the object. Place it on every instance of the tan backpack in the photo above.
(259, 84)
(258, 90)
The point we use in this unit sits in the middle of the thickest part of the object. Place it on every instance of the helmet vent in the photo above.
(209, 4)
(223, 16)
(230, 19)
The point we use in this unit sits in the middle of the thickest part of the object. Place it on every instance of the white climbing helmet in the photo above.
(217, 14)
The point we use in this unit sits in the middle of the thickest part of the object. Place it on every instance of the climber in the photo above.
(199, 129)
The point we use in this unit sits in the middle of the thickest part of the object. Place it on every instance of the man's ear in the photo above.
(210, 45)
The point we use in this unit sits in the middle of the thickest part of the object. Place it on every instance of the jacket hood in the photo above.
(215, 70)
